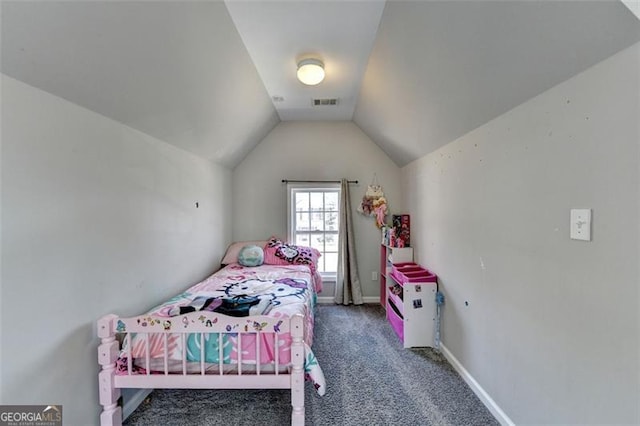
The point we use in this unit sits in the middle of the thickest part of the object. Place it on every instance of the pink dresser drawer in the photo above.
(420, 276)
(399, 268)
(397, 323)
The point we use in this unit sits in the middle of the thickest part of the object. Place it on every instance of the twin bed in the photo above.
(244, 327)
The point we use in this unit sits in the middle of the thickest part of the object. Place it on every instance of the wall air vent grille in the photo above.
(325, 102)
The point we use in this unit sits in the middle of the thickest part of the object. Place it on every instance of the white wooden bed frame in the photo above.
(201, 322)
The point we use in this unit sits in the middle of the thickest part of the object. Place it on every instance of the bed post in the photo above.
(297, 373)
(107, 354)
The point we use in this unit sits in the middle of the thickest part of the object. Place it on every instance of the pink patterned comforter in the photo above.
(283, 290)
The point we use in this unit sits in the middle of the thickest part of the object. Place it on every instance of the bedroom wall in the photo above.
(97, 218)
(547, 326)
(313, 151)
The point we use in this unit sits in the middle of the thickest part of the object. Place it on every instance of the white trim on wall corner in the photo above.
(132, 403)
(326, 300)
(495, 410)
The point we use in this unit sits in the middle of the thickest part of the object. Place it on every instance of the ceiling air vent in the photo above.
(323, 102)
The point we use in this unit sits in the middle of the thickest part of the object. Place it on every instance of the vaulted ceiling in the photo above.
(279, 34)
(203, 75)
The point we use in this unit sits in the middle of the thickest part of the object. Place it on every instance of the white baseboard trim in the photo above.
(132, 403)
(495, 410)
(325, 300)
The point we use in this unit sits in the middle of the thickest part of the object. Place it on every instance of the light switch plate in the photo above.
(581, 224)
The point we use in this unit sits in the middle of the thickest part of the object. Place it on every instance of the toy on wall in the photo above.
(401, 230)
(399, 233)
(374, 203)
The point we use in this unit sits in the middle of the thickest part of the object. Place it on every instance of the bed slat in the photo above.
(258, 353)
(129, 359)
(239, 354)
(166, 354)
(146, 353)
(275, 345)
(220, 352)
(184, 353)
(202, 354)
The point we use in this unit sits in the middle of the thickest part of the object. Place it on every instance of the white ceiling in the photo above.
(175, 70)
(278, 34)
(200, 74)
(439, 69)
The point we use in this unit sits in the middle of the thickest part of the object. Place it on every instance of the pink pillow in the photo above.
(231, 256)
(277, 252)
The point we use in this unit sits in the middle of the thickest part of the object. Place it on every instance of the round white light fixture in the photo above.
(310, 71)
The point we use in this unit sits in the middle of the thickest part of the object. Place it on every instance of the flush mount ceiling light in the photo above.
(310, 71)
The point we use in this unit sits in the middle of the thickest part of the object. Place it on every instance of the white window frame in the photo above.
(292, 188)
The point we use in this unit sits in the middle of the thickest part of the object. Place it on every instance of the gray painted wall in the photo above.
(313, 150)
(97, 218)
(551, 330)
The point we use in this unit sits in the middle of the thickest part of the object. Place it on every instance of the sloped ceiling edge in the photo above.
(177, 71)
(440, 69)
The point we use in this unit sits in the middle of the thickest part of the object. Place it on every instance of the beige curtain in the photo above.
(348, 288)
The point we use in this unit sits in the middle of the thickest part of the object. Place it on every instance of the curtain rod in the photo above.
(315, 181)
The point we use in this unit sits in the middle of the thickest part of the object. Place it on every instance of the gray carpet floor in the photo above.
(371, 380)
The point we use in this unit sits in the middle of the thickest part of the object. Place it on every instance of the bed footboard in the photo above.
(209, 371)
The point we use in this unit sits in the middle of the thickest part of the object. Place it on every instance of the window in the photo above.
(313, 221)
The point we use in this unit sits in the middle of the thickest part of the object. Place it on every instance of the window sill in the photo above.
(331, 279)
